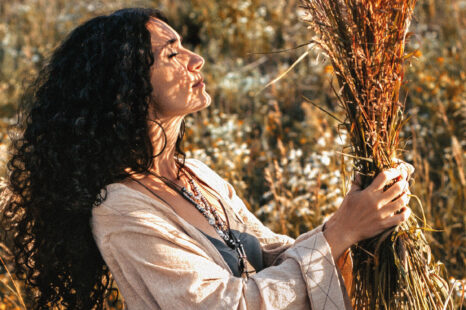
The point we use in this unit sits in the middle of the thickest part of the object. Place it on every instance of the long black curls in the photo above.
(81, 123)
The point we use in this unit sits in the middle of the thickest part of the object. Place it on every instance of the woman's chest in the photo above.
(199, 218)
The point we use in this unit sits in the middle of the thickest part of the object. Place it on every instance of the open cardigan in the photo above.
(160, 261)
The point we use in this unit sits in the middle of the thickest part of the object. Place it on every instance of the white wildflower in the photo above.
(325, 160)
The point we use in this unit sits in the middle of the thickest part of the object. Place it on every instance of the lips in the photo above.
(199, 83)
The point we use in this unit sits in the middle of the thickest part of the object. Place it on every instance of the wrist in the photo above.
(338, 240)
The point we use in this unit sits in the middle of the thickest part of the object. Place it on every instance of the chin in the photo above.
(208, 100)
(201, 107)
(203, 103)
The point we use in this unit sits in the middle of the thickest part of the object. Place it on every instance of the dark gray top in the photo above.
(251, 247)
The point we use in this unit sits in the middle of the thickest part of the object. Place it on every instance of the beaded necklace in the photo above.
(197, 199)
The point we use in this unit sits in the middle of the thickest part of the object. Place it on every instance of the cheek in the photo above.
(169, 97)
(167, 84)
(160, 88)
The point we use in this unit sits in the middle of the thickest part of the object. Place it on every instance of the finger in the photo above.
(384, 177)
(395, 190)
(408, 167)
(395, 206)
(397, 218)
(404, 170)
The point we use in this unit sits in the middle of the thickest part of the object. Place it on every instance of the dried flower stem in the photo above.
(364, 40)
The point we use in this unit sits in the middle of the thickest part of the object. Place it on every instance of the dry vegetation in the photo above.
(365, 42)
(280, 152)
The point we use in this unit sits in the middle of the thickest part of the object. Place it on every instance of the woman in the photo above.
(100, 185)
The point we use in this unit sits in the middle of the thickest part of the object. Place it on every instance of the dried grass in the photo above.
(365, 42)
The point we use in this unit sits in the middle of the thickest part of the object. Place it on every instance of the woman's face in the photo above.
(178, 87)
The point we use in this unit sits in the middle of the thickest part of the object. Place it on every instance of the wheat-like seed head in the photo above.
(364, 40)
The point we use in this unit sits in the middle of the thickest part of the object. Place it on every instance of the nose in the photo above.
(196, 62)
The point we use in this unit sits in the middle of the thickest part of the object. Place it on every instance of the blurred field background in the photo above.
(281, 154)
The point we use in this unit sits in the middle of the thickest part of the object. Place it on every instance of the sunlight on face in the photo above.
(175, 75)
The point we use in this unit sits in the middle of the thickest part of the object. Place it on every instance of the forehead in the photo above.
(160, 33)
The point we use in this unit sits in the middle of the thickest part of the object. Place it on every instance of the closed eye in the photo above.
(172, 54)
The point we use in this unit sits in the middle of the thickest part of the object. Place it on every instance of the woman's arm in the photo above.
(275, 245)
(363, 213)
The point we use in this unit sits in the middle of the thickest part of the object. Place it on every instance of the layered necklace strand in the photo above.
(222, 228)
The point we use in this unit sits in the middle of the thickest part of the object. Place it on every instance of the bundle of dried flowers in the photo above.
(365, 42)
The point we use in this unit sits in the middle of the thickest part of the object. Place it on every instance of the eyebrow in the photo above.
(171, 42)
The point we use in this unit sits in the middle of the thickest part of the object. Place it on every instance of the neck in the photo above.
(164, 164)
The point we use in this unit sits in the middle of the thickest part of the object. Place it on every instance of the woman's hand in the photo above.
(366, 213)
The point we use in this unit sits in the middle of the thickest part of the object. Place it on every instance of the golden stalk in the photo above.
(364, 40)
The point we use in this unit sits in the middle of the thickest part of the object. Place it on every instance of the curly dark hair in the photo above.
(80, 125)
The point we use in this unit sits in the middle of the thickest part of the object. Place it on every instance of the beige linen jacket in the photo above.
(160, 261)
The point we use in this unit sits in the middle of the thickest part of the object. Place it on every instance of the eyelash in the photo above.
(172, 54)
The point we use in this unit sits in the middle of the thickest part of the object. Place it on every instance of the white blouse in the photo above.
(160, 261)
